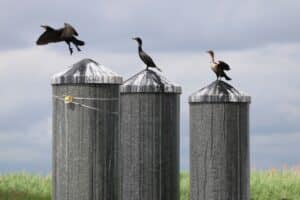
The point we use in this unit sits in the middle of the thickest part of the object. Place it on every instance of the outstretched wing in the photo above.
(47, 28)
(73, 29)
(224, 65)
(49, 36)
(147, 59)
(68, 31)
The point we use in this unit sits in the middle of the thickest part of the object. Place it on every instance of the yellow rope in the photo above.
(67, 99)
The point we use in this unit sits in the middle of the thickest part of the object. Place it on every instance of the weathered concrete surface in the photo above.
(85, 144)
(85, 134)
(219, 150)
(149, 141)
(219, 146)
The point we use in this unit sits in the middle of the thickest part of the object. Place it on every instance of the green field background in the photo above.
(265, 185)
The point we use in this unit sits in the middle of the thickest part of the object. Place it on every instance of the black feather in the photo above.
(66, 34)
(144, 56)
(224, 65)
(147, 59)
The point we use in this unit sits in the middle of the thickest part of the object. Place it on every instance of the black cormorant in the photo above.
(219, 67)
(145, 57)
(66, 34)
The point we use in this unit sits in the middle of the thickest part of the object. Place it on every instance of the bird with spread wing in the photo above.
(66, 34)
(219, 67)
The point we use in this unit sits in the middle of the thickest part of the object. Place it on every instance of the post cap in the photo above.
(86, 71)
(149, 81)
(219, 92)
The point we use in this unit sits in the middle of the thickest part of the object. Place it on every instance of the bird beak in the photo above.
(134, 38)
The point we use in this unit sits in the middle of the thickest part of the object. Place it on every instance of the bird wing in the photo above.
(47, 28)
(49, 36)
(68, 31)
(74, 30)
(147, 59)
(224, 65)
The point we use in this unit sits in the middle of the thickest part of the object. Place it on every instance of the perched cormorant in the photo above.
(219, 67)
(66, 34)
(145, 57)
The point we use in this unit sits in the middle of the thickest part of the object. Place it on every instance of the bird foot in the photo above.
(71, 51)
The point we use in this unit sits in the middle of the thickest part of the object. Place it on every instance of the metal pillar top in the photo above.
(149, 81)
(219, 92)
(86, 71)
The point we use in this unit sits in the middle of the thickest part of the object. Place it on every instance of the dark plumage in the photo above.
(144, 56)
(219, 67)
(66, 34)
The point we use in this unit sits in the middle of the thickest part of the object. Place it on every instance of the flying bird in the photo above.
(144, 56)
(219, 67)
(66, 34)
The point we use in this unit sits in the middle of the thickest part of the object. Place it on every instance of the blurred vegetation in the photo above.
(265, 185)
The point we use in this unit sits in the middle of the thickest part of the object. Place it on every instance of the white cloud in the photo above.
(268, 74)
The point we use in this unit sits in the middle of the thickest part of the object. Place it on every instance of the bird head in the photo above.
(210, 52)
(139, 40)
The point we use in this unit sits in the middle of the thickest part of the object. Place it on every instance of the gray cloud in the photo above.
(278, 150)
(26, 149)
(165, 25)
(265, 73)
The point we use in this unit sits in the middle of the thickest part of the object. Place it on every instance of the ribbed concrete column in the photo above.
(219, 143)
(149, 161)
(85, 132)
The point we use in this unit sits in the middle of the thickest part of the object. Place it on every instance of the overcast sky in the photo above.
(259, 39)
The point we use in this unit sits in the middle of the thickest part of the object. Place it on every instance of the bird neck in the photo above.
(212, 58)
(140, 47)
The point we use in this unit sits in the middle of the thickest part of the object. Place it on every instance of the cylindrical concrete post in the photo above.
(219, 143)
(85, 132)
(149, 161)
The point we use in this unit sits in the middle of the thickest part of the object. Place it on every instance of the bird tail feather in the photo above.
(227, 77)
(158, 69)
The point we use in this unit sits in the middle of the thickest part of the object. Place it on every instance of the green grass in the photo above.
(275, 185)
(184, 186)
(265, 185)
(22, 186)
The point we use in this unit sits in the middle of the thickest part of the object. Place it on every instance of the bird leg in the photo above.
(78, 49)
(70, 48)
